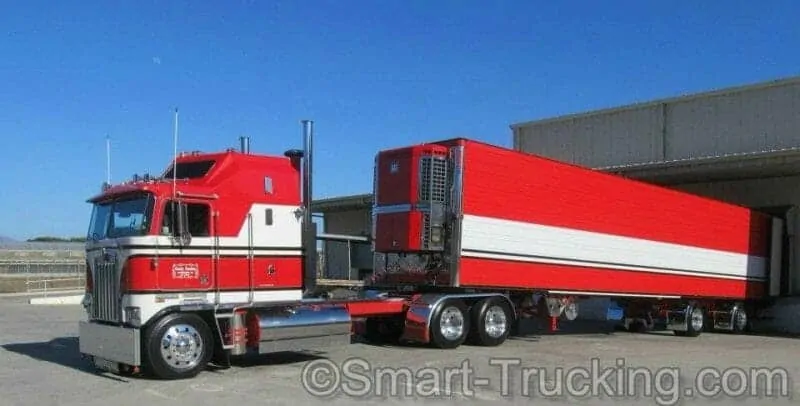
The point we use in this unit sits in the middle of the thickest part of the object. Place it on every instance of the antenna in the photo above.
(175, 155)
(108, 159)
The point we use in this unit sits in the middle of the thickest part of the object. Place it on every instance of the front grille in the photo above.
(105, 292)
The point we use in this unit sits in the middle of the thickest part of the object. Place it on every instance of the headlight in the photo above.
(133, 316)
(87, 301)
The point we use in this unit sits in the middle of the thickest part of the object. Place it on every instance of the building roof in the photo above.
(755, 165)
(343, 203)
(670, 100)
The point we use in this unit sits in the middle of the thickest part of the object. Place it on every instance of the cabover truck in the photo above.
(216, 258)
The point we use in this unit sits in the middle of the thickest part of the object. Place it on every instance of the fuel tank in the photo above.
(298, 328)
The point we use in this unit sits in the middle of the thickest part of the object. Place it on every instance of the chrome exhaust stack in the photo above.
(309, 228)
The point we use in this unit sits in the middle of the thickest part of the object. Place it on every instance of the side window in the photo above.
(199, 219)
(199, 216)
(169, 219)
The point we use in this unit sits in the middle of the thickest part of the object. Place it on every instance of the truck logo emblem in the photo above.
(394, 167)
(185, 271)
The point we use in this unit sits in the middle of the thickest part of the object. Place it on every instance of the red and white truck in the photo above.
(215, 259)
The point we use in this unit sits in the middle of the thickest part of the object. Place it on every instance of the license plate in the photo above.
(106, 365)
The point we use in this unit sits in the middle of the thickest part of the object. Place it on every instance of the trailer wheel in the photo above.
(740, 321)
(450, 324)
(695, 324)
(491, 321)
(178, 346)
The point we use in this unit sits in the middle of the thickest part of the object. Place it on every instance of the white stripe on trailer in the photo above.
(486, 237)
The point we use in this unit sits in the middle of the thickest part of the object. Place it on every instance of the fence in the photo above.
(42, 276)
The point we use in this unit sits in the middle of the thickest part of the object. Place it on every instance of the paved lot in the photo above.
(39, 365)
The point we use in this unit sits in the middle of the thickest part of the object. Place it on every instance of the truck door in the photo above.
(190, 263)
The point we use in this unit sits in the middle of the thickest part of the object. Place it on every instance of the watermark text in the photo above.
(511, 377)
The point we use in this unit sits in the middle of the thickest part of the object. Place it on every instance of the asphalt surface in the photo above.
(40, 365)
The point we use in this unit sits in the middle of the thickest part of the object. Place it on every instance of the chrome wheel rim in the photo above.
(495, 322)
(181, 347)
(697, 319)
(571, 311)
(452, 323)
(740, 319)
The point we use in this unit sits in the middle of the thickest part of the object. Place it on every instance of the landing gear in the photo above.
(178, 346)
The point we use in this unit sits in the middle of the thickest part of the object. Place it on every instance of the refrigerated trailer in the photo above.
(216, 258)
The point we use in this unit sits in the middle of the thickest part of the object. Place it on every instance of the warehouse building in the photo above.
(740, 145)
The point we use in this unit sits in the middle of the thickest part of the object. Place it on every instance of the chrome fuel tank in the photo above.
(297, 328)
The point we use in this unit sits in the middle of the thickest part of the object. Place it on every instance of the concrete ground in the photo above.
(40, 365)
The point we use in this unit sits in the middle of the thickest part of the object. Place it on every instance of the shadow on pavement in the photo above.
(62, 351)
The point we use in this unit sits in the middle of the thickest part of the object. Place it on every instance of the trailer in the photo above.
(548, 233)
(216, 258)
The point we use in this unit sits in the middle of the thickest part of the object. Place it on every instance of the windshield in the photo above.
(122, 217)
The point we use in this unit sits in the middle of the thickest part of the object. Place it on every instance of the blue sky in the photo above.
(372, 74)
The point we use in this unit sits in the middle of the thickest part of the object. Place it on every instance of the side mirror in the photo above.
(182, 226)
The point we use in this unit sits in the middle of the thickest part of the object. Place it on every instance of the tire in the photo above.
(161, 362)
(741, 322)
(695, 324)
(450, 324)
(491, 322)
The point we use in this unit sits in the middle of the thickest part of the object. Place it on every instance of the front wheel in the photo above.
(178, 346)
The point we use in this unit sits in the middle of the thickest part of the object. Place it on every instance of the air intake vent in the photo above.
(433, 180)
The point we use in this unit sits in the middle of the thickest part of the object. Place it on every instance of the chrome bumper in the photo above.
(110, 343)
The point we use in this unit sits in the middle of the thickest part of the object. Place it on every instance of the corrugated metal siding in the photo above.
(598, 140)
(758, 118)
(752, 192)
(351, 222)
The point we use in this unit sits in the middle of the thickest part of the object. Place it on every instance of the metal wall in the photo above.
(620, 136)
(350, 222)
(346, 259)
(747, 119)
